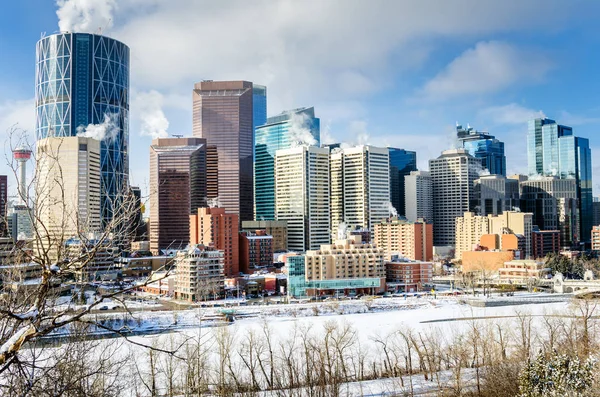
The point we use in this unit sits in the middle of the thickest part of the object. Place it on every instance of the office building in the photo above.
(418, 196)
(223, 114)
(199, 274)
(177, 189)
(137, 225)
(302, 196)
(596, 210)
(553, 150)
(452, 174)
(259, 105)
(554, 205)
(256, 251)
(288, 129)
(360, 187)
(3, 206)
(485, 147)
(495, 194)
(404, 275)
(402, 163)
(275, 229)
(82, 88)
(522, 271)
(93, 260)
(398, 237)
(68, 190)
(214, 226)
(544, 242)
(596, 238)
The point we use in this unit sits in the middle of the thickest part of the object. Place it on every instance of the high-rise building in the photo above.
(596, 238)
(82, 81)
(360, 187)
(256, 251)
(495, 194)
(402, 163)
(288, 129)
(412, 240)
(554, 205)
(276, 229)
(259, 105)
(553, 150)
(3, 206)
(137, 226)
(484, 147)
(177, 189)
(302, 195)
(452, 174)
(223, 114)
(418, 193)
(199, 274)
(596, 209)
(213, 226)
(544, 242)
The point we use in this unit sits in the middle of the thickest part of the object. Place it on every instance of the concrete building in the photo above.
(256, 251)
(347, 267)
(523, 270)
(199, 273)
(360, 187)
(452, 174)
(495, 194)
(97, 266)
(68, 186)
(177, 189)
(554, 205)
(402, 163)
(302, 196)
(544, 242)
(403, 275)
(418, 189)
(223, 114)
(275, 229)
(143, 266)
(213, 226)
(596, 238)
(3, 206)
(412, 240)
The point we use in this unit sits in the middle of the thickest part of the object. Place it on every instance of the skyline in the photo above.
(418, 73)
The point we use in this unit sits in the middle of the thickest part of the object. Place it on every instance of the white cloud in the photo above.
(85, 15)
(148, 109)
(571, 119)
(489, 67)
(20, 114)
(510, 114)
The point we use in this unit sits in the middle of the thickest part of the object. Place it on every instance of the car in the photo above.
(103, 308)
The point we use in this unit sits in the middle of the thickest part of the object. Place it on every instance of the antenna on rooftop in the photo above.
(177, 136)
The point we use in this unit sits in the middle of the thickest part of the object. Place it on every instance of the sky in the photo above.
(380, 72)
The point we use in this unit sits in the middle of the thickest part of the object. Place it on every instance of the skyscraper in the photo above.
(259, 105)
(223, 114)
(402, 162)
(495, 194)
(3, 206)
(553, 150)
(302, 195)
(177, 189)
(360, 194)
(290, 128)
(81, 80)
(452, 174)
(485, 147)
(418, 193)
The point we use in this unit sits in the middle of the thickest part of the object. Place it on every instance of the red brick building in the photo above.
(256, 251)
(544, 242)
(407, 276)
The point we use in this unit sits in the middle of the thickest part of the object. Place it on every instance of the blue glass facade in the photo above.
(553, 150)
(259, 105)
(279, 132)
(83, 79)
(402, 162)
(484, 147)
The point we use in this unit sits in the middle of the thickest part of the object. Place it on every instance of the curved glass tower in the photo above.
(83, 79)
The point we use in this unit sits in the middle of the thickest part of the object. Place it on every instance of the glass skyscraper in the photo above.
(402, 162)
(259, 105)
(290, 128)
(485, 147)
(83, 79)
(553, 150)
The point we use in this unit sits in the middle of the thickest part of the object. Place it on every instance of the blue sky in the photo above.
(384, 72)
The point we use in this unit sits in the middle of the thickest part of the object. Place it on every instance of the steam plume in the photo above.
(300, 134)
(85, 15)
(154, 123)
(108, 129)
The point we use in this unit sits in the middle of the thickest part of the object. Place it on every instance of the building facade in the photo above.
(398, 237)
(495, 194)
(82, 81)
(256, 251)
(402, 163)
(418, 193)
(275, 229)
(544, 242)
(199, 274)
(177, 189)
(223, 114)
(288, 129)
(596, 238)
(302, 196)
(452, 174)
(3, 206)
(213, 226)
(402, 275)
(485, 147)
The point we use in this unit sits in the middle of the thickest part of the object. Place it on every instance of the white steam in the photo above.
(359, 133)
(300, 133)
(391, 210)
(480, 170)
(342, 231)
(153, 122)
(108, 129)
(213, 202)
(85, 15)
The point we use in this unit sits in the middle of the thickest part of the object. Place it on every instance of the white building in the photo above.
(360, 187)
(199, 273)
(452, 174)
(302, 195)
(418, 196)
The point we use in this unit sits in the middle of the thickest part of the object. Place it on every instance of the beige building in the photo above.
(523, 270)
(277, 229)
(470, 228)
(68, 188)
(199, 273)
(346, 259)
(412, 240)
